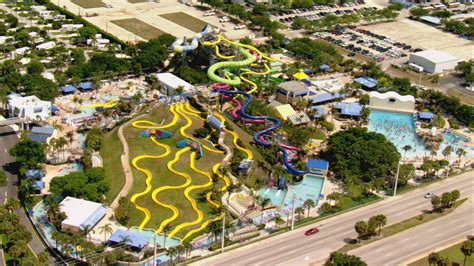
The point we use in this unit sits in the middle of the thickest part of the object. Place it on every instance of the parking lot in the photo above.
(424, 36)
(152, 14)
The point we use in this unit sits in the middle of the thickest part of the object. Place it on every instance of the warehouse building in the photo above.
(434, 61)
(80, 213)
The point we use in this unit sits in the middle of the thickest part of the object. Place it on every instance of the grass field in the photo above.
(110, 151)
(138, 27)
(186, 21)
(89, 3)
(453, 253)
(162, 176)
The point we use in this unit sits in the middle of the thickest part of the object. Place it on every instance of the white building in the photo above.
(434, 61)
(170, 83)
(46, 14)
(80, 213)
(19, 51)
(38, 8)
(29, 106)
(71, 27)
(46, 45)
(392, 101)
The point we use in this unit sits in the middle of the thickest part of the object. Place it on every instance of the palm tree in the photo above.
(460, 153)
(299, 211)
(381, 221)
(278, 220)
(361, 228)
(106, 229)
(125, 240)
(187, 249)
(263, 203)
(165, 231)
(406, 148)
(447, 153)
(70, 137)
(436, 202)
(433, 258)
(171, 253)
(467, 248)
(86, 228)
(179, 249)
(12, 204)
(309, 203)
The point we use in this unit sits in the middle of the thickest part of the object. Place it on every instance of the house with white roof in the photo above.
(170, 83)
(19, 51)
(28, 106)
(71, 27)
(46, 45)
(434, 61)
(80, 213)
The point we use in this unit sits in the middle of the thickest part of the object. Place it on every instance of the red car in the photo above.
(311, 231)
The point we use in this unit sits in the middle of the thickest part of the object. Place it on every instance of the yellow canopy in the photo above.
(300, 75)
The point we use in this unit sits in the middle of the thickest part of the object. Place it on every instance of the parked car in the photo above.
(209, 13)
(239, 27)
(311, 231)
(429, 195)
(224, 19)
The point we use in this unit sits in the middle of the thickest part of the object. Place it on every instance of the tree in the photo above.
(263, 203)
(339, 259)
(87, 32)
(445, 200)
(86, 228)
(433, 258)
(43, 258)
(35, 67)
(165, 231)
(381, 221)
(299, 211)
(446, 153)
(467, 249)
(419, 12)
(436, 202)
(106, 229)
(372, 225)
(460, 152)
(28, 153)
(361, 228)
(455, 195)
(12, 204)
(309, 203)
(406, 148)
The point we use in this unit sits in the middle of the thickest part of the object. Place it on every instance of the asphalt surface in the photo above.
(420, 240)
(8, 139)
(294, 248)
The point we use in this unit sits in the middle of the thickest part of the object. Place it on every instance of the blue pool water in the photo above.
(75, 166)
(309, 188)
(81, 139)
(160, 239)
(275, 195)
(399, 128)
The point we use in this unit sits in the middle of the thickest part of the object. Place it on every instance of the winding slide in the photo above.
(148, 174)
(259, 136)
(179, 45)
(106, 105)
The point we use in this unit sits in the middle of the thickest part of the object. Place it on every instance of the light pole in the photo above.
(223, 234)
(293, 213)
(396, 179)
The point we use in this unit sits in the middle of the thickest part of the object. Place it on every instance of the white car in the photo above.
(224, 19)
(429, 195)
(108, 6)
(239, 27)
(209, 13)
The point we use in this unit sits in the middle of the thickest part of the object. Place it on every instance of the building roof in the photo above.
(34, 173)
(292, 86)
(68, 88)
(367, 82)
(47, 130)
(431, 19)
(173, 81)
(298, 119)
(81, 212)
(285, 110)
(26, 102)
(317, 163)
(87, 85)
(436, 56)
(300, 75)
(324, 97)
(319, 111)
(38, 138)
(352, 109)
(392, 94)
(136, 239)
(54, 109)
(425, 115)
(215, 122)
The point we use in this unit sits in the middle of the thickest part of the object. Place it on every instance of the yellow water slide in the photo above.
(106, 105)
(145, 124)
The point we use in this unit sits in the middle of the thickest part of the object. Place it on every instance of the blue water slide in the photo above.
(258, 137)
(180, 45)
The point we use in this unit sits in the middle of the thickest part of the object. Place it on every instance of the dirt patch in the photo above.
(185, 20)
(138, 27)
(89, 3)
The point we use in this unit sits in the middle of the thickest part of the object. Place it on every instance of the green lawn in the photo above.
(186, 21)
(110, 151)
(138, 27)
(453, 253)
(89, 3)
(402, 226)
(162, 176)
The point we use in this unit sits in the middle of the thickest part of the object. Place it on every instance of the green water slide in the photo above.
(235, 80)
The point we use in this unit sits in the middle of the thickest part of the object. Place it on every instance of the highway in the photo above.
(420, 240)
(8, 139)
(294, 248)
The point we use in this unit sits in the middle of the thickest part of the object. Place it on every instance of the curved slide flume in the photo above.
(258, 137)
(178, 44)
(149, 177)
(145, 124)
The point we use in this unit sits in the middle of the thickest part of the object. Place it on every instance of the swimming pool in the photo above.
(275, 195)
(399, 128)
(160, 238)
(75, 166)
(81, 139)
(310, 188)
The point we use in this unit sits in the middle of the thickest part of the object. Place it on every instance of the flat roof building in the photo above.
(434, 61)
(392, 101)
(80, 213)
(170, 83)
(28, 106)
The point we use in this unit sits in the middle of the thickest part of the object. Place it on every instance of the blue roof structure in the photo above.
(352, 109)
(68, 88)
(38, 184)
(54, 109)
(317, 163)
(87, 85)
(324, 67)
(95, 217)
(215, 122)
(367, 82)
(326, 97)
(425, 115)
(48, 130)
(38, 138)
(319, 111)
(137, 240)
(305, 82)
(34, 173)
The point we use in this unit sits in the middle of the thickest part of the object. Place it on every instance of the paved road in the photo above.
(294, 248)
(402, 247)
(8, 139)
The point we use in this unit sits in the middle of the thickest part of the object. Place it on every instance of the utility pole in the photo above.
(223, 234)
(396, 179)
(154, 250)
(293, 213)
